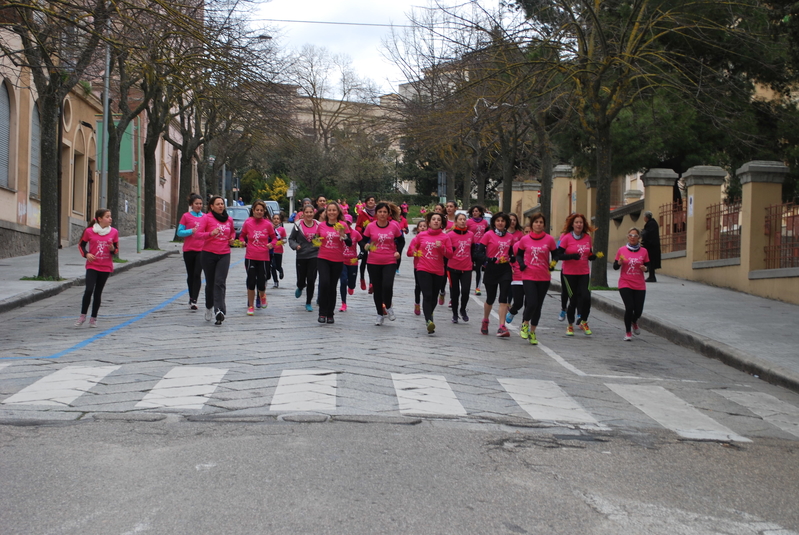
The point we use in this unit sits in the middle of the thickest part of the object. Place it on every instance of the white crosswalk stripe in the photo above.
(61, 387)
(426, 394)
(183, 387)
(305, 390)
(673, 413)
(771, 409)
(546, 401)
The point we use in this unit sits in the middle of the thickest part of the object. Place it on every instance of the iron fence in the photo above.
(673, 232)
(782, 236)
(724, 230)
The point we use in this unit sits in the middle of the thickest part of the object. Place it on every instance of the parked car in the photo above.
(239, 215)
(274, 208)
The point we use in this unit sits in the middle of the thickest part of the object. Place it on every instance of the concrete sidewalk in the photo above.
(750, 333)
(16, 293)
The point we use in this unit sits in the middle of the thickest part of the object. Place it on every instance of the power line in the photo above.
(337, 23)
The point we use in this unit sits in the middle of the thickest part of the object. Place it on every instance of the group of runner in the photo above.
(514, 263)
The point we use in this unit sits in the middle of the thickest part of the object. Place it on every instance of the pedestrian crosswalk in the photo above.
(194, 388)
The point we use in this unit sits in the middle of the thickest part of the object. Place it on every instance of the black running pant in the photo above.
(257, 272)
(459, 286)
(349, 276)
(564, 292)
(579, 296)
(329, 274)
(381, 276)
(534, 294)
(95, 282)
(430, 285)
(516, 298)
(306, 277)
(194, 272)
(216, 267)
(276, 266)
(633, 306)
(417, 290)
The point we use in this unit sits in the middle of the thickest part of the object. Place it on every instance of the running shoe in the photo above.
(636, 330)
(464, 316)
(584, 326)
(209, 314)
(92, 322)
(257, 301)
(298, 293)
(363, 284)
(484, 327)
(628, 337)
(569, 331)
(502, 332)
(390, 312)
(509, 317)
(532, 339)
(477, 291)
(431, 327)
(454, 318)
(220, 317)
(578, 317)
(562, 315)
(441, 298)
(330, 319)
(322, 319)
(350, 291)
(263, 301)
(343, 307)
(193, 306)
(524, 332)
(397, 272)
(81, 320)
(276, 285)
(281, 274)
(251, 311)
(450, 304)
(379, 320)
(309, 308)
(371, 289)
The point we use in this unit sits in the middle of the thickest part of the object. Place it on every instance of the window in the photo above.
(5, 134)
(36, 151)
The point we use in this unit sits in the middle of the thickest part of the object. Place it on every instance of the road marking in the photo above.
(773, 410)
(546, 401)
(61, 387)
(673, 413)
(426, 394)
(305, 390)
(183, 387)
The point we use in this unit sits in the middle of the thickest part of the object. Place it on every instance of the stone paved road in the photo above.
(151, 356)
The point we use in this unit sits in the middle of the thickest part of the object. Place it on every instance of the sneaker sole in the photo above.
(431, 328)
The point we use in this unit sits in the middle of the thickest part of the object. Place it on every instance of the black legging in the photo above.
(194, 272)
(580, 296)
(381, 276)
(276, 266)
(498, 275)
(459, 285)
(517, 298)
(564, 292)
(216, 267)
(329, 274)
(443, 289)
(417, 290)
(478, 269)
(534, 294)
(364, 256)
(257, 271)
(95, 282)
(430, 285)
(633, 306)
(348, 278)
(306, 277)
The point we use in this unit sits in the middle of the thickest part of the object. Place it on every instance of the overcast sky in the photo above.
(361, 43)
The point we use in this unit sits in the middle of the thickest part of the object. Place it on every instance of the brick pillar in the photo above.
(658, 190)
(761, 182)
(704, 188)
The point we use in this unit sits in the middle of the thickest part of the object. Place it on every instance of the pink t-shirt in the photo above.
(351, 252)
(478, 228)
(219, 244)
(581, 247)
(631, 275)
(258, 233)
(383, 238)
(192, 242)
(537, 254)
(101, 247)
(498, 247)
(434, 245)
(462, 250)
(332, 247)
(280, 232)
(449, 224)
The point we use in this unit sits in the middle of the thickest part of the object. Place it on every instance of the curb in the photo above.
(27, 298)
(703, 345)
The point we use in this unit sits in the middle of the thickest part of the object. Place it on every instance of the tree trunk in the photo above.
(184, 188)
(150, 220)
(546, 181)
(113, 172)
(48, 187)
(467, 189)
(599, 271)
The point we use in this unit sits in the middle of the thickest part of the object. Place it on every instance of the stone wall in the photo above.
(126, 221)
(18, 240)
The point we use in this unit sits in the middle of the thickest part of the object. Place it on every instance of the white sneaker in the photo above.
(636, 330)
(220, 317)
(209, 314)
(391, 315)
(379, 320)
(627, 337)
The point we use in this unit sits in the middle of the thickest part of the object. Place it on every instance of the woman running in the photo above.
(258, 234)
(384, 241)
(218, 232)
(192, 247)
(304, 239)
(450, 209)
(477, 225)
(459, 267)
(365, 216)
(516, 288)
(334, 235)
(431, 247)
(633, 260)
(534, 257)
(575, 250)
(421, 226)
(98, 245)
(349, 274)
(277, 253)
(403, 223)
(496, 250)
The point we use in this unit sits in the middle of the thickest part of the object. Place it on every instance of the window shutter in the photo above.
(36, 151)
(5, 133)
